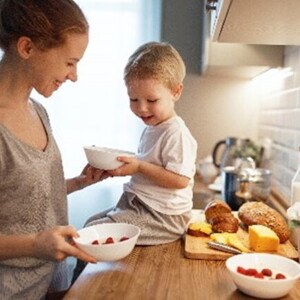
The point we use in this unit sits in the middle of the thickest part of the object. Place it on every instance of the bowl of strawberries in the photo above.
(109, 241)
(263, 275)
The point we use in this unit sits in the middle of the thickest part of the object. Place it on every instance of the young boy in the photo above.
(158, 198)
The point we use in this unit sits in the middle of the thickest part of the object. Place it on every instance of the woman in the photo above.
(42, 41)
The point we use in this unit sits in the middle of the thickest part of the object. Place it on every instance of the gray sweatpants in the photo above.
(156, 228)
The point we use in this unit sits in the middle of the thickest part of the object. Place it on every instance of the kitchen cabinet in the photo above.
(241, 60)
(268, 22)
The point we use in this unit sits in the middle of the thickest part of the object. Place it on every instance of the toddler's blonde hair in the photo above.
(159, 61)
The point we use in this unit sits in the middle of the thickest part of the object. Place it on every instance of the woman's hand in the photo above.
(88, 176)
(56, 244)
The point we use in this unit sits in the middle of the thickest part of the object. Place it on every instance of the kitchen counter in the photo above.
(161, 273)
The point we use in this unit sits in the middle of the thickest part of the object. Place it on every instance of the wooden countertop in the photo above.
(161, 273)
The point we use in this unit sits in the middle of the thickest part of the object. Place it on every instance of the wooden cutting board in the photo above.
(197, 248)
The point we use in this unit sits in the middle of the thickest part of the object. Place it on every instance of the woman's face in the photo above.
(49, 69)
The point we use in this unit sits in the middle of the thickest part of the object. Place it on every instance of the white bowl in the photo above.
(108, 252)
(264, 288)
(105, 158)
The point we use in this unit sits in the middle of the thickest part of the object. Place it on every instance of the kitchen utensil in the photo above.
(207, 169)
(229, 186)
(253, 185)
(229, 154)
(112, 251)
(105, 158)
(223, 247)
(264, 288)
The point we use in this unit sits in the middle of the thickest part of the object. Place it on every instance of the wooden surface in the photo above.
(197, 248)
(159, 273)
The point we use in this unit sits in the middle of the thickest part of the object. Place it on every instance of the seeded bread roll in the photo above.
(258, 213)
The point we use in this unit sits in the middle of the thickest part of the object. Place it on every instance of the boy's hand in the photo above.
(130, 167)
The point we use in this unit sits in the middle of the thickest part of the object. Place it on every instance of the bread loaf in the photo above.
(218, 213)
(258, 213)
(224, 223)
(216, 208)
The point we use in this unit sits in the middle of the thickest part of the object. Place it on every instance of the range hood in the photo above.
(268, 22)
(186, 25)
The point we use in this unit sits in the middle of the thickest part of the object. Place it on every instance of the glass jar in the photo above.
(295, 197)
(295, 191)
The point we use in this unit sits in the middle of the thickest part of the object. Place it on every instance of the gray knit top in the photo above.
(32, 197)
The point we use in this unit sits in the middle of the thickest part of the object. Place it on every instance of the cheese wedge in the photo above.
(221, 237)
(235, 242)
(262, 238)
(230, 239)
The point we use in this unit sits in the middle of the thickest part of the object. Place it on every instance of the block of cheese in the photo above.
(262, 238)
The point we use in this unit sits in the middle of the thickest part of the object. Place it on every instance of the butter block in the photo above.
(262, 238)
(202, 227)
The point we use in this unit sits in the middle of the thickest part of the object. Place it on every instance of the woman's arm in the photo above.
(49, 244)
(88, 176)
(156, 173)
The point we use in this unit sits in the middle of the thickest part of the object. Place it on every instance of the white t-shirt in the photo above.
(171, 145)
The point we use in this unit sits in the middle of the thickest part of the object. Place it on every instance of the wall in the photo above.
(279, 121)
(213, 107)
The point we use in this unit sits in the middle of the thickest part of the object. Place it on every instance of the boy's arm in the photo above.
(162, 176)
(156, 173)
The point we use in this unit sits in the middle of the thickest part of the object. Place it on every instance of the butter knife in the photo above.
(223, 247)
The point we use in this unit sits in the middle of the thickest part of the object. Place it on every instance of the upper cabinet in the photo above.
(266, 22)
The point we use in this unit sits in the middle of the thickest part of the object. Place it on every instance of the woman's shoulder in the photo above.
(40, 109)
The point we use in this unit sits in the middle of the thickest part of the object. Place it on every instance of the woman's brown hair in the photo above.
(45, 22)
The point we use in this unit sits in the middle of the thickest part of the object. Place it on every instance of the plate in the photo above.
(215, 187)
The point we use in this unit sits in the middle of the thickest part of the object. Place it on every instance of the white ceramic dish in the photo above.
(105, 158)
(264, 288)
(215, 187)
(100, 232)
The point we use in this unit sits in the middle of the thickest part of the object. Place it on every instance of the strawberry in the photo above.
(251, 272)
(241, 270)
(124, 238)
(266, 272)
(259, 275)
(95, 242)
(109, 240)
(280, 276)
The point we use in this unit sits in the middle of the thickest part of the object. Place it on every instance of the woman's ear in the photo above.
(24, 47)
(178, 91)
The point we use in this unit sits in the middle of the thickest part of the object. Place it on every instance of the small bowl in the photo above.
(264, 288)
(105, 158)
(108, 252)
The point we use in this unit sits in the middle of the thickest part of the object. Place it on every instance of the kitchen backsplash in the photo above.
(279, 122)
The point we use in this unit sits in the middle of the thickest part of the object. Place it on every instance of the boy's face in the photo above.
(152, 101)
